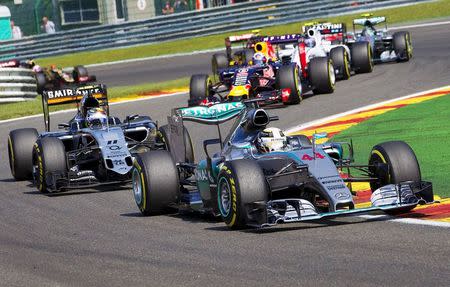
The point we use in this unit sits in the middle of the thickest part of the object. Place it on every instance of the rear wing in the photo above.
(245, 40)
(282, 39)
(373, 20)
(213, 115)
(72, 95)
(326, 28)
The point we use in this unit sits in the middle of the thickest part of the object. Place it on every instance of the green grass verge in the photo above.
(13, 110)
(395, 15)
(424, 126)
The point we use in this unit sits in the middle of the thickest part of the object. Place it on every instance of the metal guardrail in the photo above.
(17, 85)
(236, 17)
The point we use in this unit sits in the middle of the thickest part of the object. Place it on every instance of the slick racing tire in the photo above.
(79, 72)
(199, 89)
(341, 62)
(402, 165)
(362, 61)
(219, 61)
(402, 45)
(321, 75)
(188, 148)
(240, 182)
(288, 77)
(49, 156)
(20, 152)
(155, 182)
(41, 82)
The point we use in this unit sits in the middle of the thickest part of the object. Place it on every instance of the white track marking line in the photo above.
(421, 25)
(408, 220)
(111, 104)
(154, 58)
(357, 110)
(221, 49)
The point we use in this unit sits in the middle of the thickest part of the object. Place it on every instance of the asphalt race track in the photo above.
(99, 238)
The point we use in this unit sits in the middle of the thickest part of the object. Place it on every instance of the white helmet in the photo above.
(271, 139)
(96, 118)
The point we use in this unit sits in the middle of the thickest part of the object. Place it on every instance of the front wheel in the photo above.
(400, 164)
(49, 156)
(240, 183)
(155, 182)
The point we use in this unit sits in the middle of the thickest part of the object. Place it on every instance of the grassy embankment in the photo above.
(424, 126)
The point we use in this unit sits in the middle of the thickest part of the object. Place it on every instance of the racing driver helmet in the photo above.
(271, 139)
(259, 59)
(88, 102)
(96, 118)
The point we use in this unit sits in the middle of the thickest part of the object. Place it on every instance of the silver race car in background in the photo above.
(91, 149)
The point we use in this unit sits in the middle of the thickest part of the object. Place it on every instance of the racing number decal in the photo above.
(308, 157)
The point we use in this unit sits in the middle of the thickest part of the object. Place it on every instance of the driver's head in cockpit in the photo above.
(271, 139)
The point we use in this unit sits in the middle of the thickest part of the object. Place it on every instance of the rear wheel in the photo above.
(20, 152)
(49, 156)
(155, 182)
(321, 75)
(288, 77)
(402, 45)
(79, 72)
(219, 61)
(199, 89)
(240, 182)
(341, 63)
(362, 61)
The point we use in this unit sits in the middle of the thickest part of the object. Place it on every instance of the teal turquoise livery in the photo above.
(215, 114)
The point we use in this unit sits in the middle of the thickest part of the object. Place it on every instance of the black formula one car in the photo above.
(262, 177)
(53, 78)
(91, 149)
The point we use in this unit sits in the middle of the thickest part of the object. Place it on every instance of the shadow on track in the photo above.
(323, 223)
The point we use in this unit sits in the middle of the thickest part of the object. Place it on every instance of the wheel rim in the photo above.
(224, 197)
(10, 156)
(346, 65)
(298, 83)
(331, 74)
(137, 187)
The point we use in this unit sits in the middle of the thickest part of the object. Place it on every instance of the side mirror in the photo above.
(131, 117)
(63, 126)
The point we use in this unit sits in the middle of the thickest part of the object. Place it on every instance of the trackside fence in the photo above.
(244, 16)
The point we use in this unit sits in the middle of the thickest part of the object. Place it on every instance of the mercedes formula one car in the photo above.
(262, 177)
(91, 149)
(385, 47)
